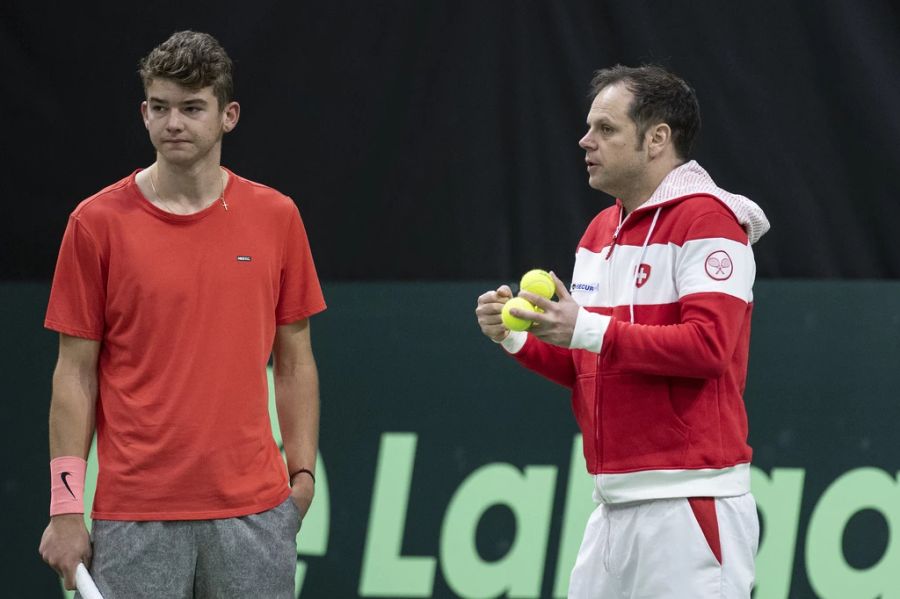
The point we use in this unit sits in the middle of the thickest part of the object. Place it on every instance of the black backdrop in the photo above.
(437, 140)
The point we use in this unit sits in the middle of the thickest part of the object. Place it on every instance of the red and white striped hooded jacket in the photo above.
(658, 360)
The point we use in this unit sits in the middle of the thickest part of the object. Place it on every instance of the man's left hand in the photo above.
(557, 322)
(302, 493)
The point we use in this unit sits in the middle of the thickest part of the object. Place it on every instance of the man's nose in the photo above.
(173, 120)
(585, 142)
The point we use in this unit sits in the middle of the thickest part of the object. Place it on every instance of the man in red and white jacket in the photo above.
(653, 341)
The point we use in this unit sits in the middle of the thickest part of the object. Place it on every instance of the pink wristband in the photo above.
(67, 485)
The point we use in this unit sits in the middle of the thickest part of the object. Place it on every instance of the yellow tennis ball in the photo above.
(514, 323)
(538, 282)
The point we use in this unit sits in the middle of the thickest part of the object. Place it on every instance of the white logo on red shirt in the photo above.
(719, 265)
(642, 275)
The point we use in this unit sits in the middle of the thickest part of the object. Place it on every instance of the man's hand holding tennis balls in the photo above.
(555, 324)
(488, 310)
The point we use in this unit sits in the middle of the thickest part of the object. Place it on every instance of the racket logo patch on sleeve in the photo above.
(244, 258)
(719, 266)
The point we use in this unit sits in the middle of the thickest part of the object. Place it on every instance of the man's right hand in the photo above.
(64, 544)
(490, 305)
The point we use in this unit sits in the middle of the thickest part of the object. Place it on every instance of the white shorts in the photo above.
(668, 549)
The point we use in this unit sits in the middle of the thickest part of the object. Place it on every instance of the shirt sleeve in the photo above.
(550, 361)
(714, 276)
(300, 295)
(77, 304)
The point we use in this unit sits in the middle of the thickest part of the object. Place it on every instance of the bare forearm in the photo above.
(297, 401)
(72, 413)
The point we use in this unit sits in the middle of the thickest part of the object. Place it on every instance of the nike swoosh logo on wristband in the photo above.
(69, 489)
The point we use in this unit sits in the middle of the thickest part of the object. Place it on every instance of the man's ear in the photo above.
(232, 114)
(659, 137)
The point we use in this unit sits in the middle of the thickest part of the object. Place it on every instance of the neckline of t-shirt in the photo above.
(155, 210)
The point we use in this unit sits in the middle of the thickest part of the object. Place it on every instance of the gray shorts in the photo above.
(249, 556)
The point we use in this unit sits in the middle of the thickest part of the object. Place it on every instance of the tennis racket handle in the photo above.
(85, 584)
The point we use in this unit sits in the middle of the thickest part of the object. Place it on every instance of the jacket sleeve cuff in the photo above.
(590, 328)
(515, 341)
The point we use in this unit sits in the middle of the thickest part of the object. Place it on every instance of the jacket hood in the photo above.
(691, 179)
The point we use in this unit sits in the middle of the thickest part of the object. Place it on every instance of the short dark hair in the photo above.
(659, 97)
(193, 60)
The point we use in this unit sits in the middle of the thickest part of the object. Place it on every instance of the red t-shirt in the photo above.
(186, 308)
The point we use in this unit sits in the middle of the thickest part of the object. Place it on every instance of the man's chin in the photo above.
(602, 187)
(179, 158)
(594, 183)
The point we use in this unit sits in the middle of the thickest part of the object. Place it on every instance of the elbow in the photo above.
(711, 358)
(712, 370)
(713, 354)
(713, 363)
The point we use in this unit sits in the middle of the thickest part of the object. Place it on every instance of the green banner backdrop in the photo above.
(446, 470)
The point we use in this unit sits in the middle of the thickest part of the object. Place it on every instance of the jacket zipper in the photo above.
(598, 441)
(609, 272)
(614, 239)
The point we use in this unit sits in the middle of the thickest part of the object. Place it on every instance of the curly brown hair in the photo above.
(193, 60)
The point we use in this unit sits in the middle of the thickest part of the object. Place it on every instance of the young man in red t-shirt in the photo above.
(172, 288)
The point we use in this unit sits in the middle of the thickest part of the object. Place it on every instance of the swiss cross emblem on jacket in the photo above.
(642, 275)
